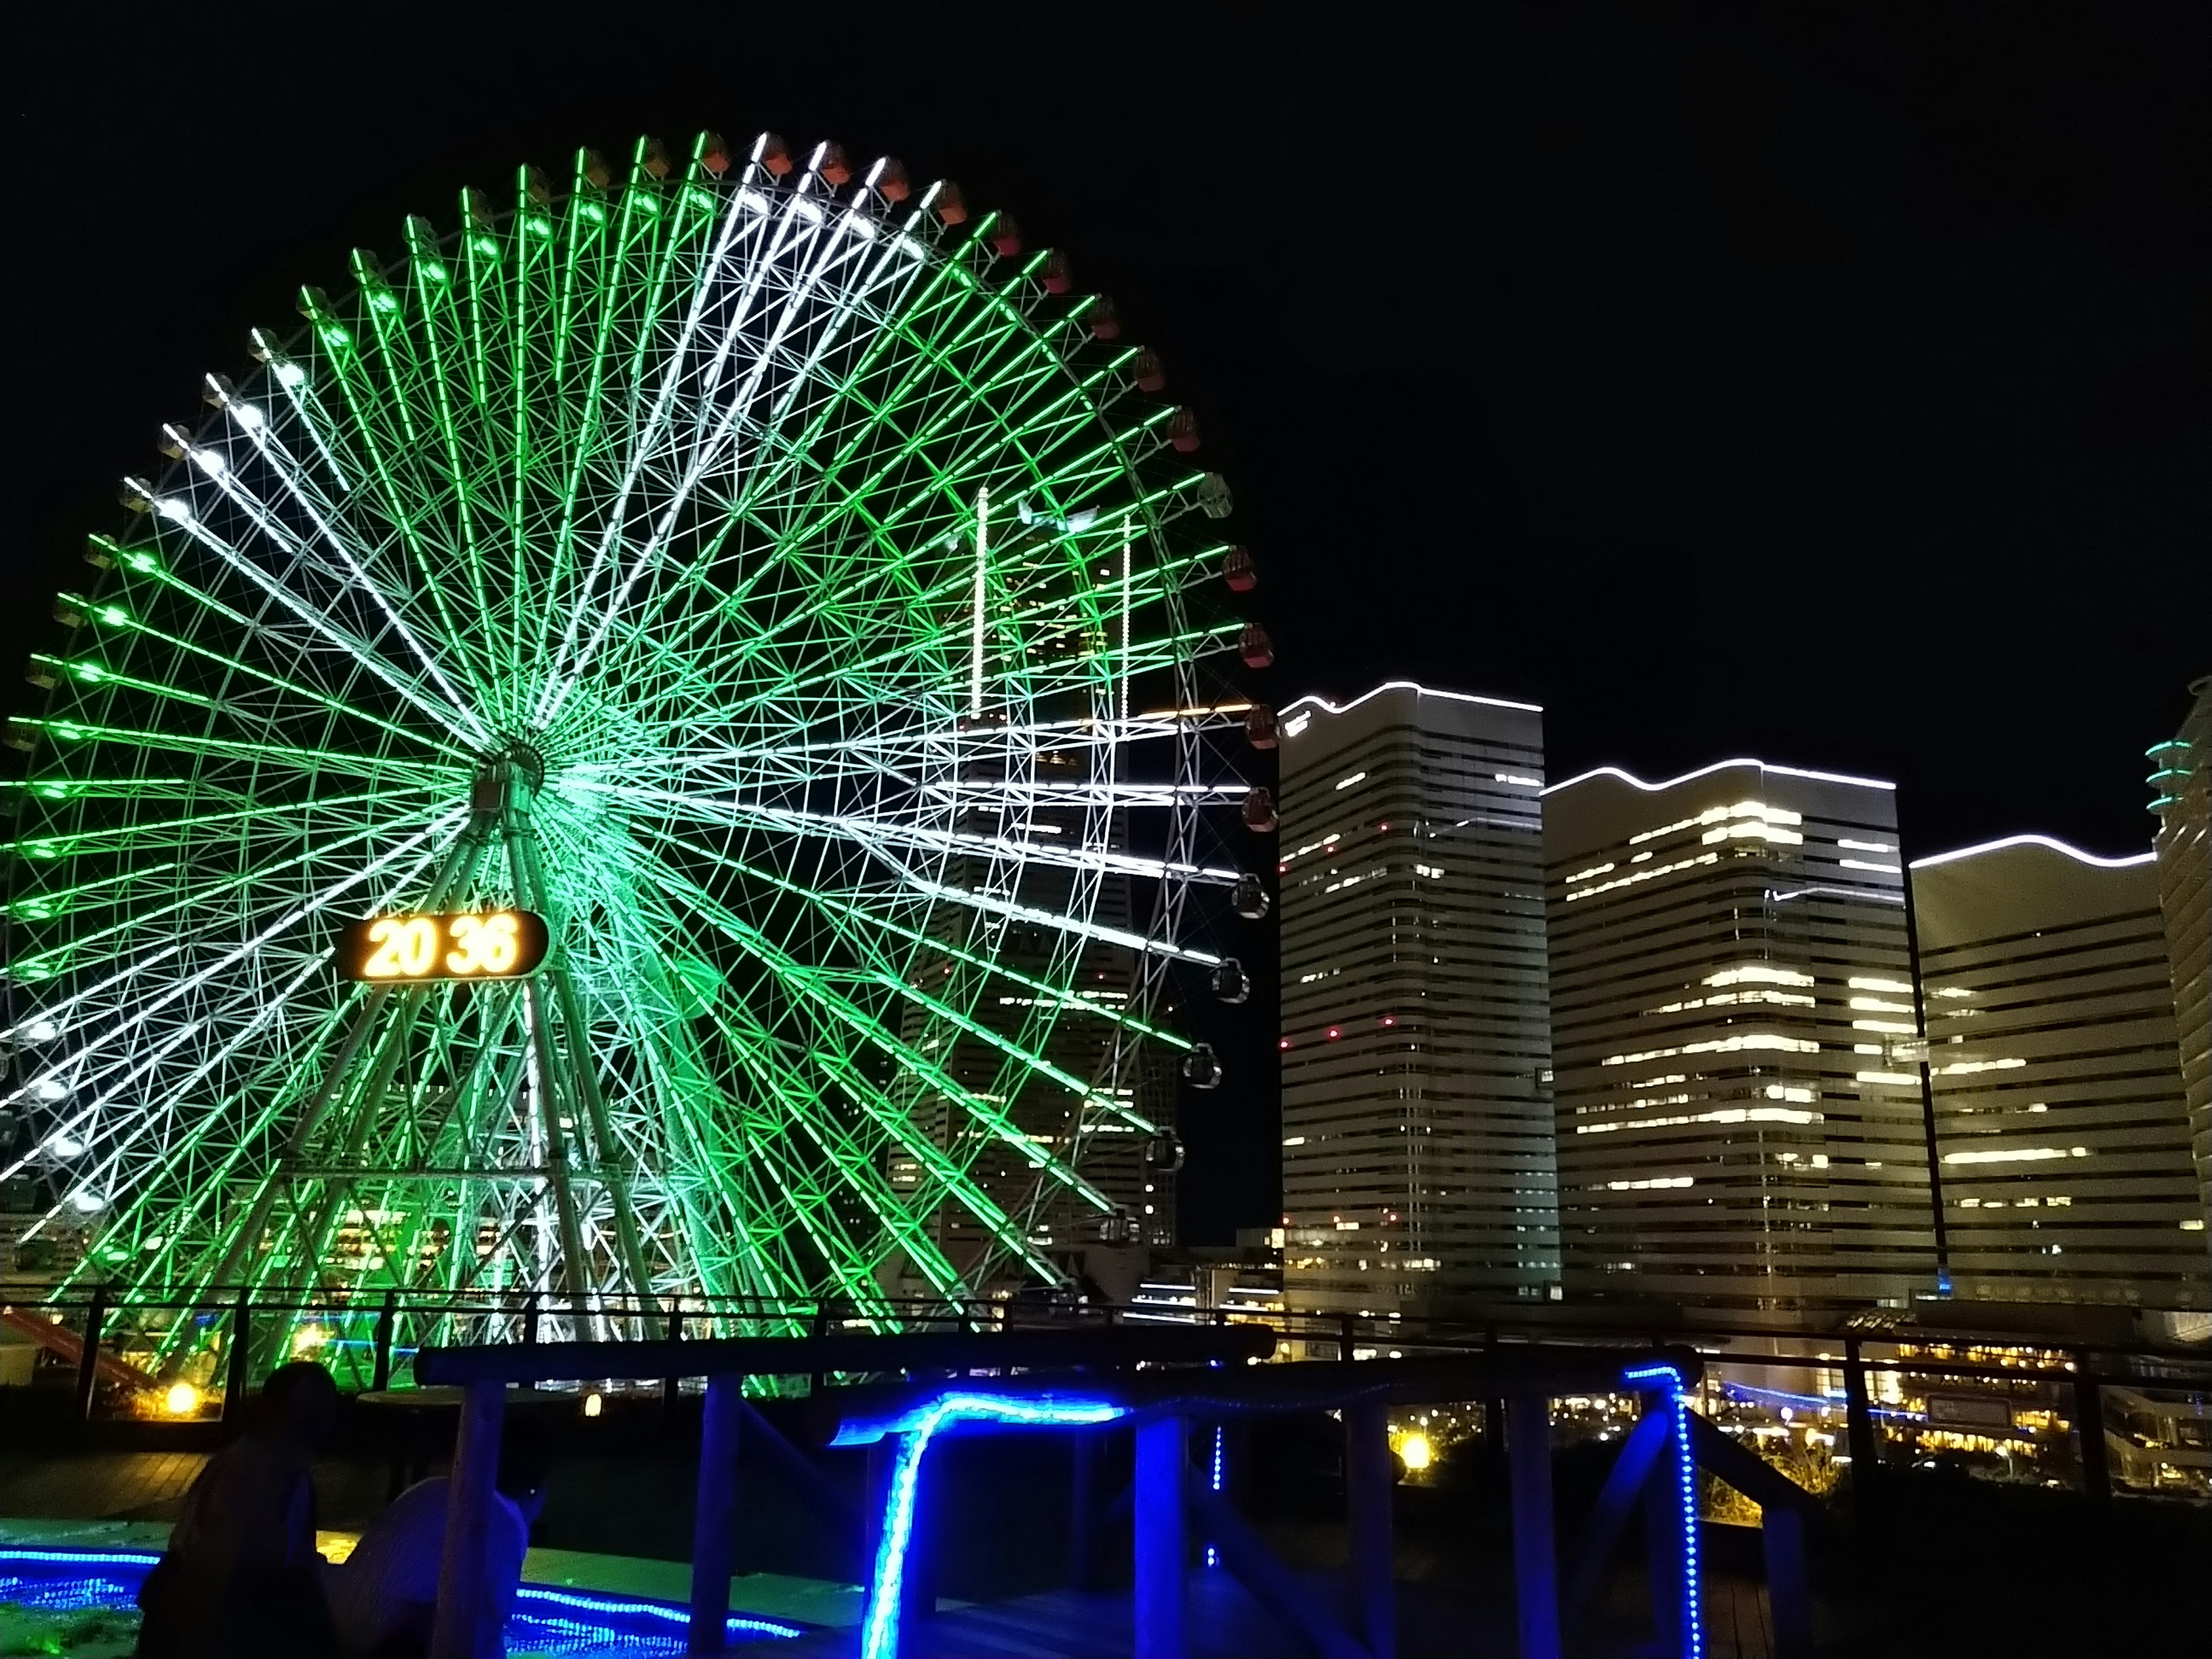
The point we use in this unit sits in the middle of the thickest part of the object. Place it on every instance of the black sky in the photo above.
(1825, 382)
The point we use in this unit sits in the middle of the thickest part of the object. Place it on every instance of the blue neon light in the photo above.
(879, 1631)
(1686, 1476)
(1213, 1480)
(88, 1591)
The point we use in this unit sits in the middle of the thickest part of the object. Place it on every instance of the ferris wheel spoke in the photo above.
(846, 910)
(1140, 657)
(734, 1187)
(733, 417)
(1028, 1057)
(164, 921)
(317, 623)
(108, 615)
(946, 1175)
(737, 215)
(145, 1009)
(794, 1095)
(871, 834)
(331, 549)
(812, 986)
(784, 543)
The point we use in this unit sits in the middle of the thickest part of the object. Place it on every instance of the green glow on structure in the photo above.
(615, 557)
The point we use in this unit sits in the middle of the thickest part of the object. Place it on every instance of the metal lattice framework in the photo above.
(756, 575)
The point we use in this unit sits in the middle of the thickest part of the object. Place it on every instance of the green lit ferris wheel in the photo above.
(790, 592)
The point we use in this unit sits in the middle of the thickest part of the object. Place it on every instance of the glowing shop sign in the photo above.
(473, 944)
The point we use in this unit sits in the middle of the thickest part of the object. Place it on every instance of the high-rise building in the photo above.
(2181, 786)
(1736, 1040)
(1417, 1154)
(2060, 1126)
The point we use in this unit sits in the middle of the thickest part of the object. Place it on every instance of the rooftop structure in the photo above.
(2181, 785)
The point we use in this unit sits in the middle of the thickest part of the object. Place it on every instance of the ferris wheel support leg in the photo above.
(611, 1169)
(556, 1161)
(522, 870)
(468, 848)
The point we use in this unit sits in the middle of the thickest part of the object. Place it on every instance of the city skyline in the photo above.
(1865, 1144)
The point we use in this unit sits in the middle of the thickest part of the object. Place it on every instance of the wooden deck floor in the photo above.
(1226, 1622)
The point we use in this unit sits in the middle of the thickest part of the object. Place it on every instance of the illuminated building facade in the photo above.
(1417, 1157)
(2181, 785)
(1736, 1040)
(2060, 1125)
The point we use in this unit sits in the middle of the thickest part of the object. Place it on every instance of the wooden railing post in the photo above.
(1858, 1419)
(238, 1373)
(465, 1627)
(387, 1321)
(1082, 1510)
(671, 1386)
(1369, 1477)
(2089, 1431)
(714, 1531)
(88, 1362)
(1789, 1585)
(1535, 1560)
(1161, 1615)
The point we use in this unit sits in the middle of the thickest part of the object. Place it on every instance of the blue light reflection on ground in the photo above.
(564, 1624)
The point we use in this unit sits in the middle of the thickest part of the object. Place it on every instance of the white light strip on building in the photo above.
(1314, 698)
(2052, 843)
(1634, 781)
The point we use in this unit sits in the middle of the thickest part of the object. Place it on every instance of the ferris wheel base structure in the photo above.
(682, 743)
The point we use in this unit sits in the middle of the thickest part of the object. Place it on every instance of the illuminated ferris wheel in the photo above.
(789, 592)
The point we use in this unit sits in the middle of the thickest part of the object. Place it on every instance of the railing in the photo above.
(191, 1358)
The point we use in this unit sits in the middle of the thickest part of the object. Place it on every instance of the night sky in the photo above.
(1826, 384)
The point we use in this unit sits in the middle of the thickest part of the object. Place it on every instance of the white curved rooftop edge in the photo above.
(1634, 781)
(2051, 842)
(1315, 700)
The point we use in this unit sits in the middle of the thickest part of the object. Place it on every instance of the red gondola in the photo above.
(1007, 236)
(1105, 321)
(1260, 730)
(1255, 647)
(1059, 275)
(1151, 375)
(1183, 432)
(950, 206)
(775, 155)
(1260, 812)
(1238, 571)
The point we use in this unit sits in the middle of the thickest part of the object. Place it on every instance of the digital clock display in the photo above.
(409, 950)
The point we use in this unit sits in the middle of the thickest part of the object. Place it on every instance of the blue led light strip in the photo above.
(1686, 1478)
(1213, 1480)
(581, 1601)
(879, 1631)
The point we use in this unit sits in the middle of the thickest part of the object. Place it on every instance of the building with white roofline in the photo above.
(2061, 1130)
(1737, 1041)
(1417, 1144)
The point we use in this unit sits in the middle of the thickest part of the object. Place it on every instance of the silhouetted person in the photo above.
(240, 1578)
(385, 1598)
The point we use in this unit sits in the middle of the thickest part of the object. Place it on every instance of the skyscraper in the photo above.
(2060, 1125)
(2181, 786)
(1737, 1044)
(1417, 1158)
